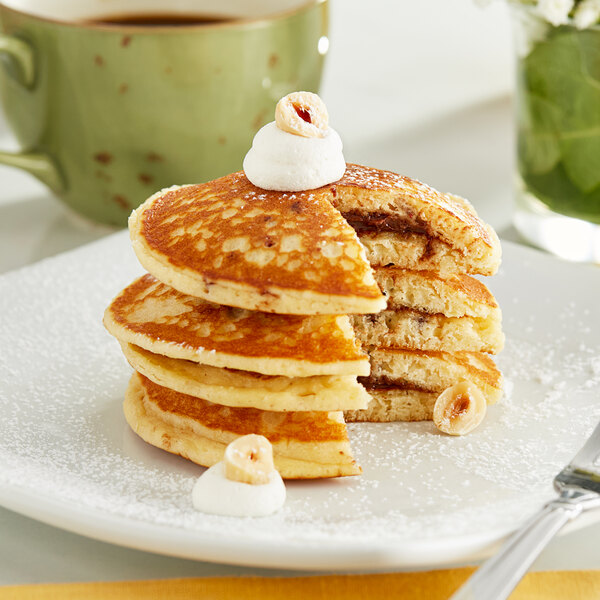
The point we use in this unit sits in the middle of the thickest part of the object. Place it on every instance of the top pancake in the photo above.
(235, 244)
(404, 222)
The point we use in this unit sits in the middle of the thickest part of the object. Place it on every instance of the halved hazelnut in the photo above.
(302, 113)
(459, 409)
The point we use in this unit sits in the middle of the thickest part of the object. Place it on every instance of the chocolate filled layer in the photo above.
(378, 222)
(389, 383)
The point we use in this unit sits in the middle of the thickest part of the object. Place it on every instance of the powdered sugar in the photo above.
(63, 437)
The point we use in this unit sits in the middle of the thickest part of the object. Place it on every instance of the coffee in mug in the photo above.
(112, 100)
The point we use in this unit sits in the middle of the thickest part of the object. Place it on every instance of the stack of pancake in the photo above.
(440, 324)
(240, 325)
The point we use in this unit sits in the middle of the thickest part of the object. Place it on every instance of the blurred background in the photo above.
(420, 88)
(423, 89)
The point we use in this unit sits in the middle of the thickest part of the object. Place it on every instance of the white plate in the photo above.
(67, 457)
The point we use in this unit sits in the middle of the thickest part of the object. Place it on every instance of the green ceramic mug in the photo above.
(109, 113)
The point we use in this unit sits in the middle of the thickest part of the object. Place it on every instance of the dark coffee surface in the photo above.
(162, 19)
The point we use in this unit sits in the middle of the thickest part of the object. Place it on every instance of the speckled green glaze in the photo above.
(110, 115)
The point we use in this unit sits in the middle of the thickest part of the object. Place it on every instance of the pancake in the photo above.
(406, 223)
(395, 404)
(415, 251)
(404, 384)
(164, 321)
(232, 243)
(456, 295)
(432, 371)
(407, 328)
(306, 445)
(246, 389)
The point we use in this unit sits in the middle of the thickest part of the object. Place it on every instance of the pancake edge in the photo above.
(266, 366)
(349, 395)
(208, 452)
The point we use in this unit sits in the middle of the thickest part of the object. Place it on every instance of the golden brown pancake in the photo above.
(432, 371)
(162, 320)
(395, 404)
(247, 389)
(404, 384)
(406, 223)
(456, 295)
(229, 242)
(306, 445)
(413, 329)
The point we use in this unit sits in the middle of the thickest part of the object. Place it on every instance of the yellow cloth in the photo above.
(427, 585)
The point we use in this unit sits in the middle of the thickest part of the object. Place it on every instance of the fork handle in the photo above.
(498, 577)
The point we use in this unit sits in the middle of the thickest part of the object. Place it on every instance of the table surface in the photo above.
(418, 88)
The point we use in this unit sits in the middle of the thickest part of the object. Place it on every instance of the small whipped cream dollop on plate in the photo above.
(244, 484)
(215, 494)
(298, 151)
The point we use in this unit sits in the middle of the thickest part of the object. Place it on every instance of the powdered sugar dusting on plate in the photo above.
(63, 437)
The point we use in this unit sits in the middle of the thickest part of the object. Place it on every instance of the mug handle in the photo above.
(38, 164)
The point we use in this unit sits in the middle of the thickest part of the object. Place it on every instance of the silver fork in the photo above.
(578, 486)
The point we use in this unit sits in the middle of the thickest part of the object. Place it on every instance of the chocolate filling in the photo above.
(389, 383)
(378, 222)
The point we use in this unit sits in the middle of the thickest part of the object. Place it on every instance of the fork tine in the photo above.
(588, 458)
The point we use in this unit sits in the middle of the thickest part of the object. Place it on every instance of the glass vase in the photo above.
(558, 135)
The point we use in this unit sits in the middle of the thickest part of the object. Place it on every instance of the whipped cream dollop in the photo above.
(282, 161)
(214, 493)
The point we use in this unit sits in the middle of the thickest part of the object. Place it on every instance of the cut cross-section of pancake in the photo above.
(433, 371)
(404, 384)
(406, 223)
(412, 329)
(454, 295)
(306, 445)
(232, 243)
(395, 404)
(246, 389)
(162, 320)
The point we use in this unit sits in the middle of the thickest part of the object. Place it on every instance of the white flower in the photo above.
(555, 11)
(587, 13)
(527, 33)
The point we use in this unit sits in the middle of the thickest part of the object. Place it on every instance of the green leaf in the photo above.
(562, 77)
(559, 194)
(582, 160)
(539, 147)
